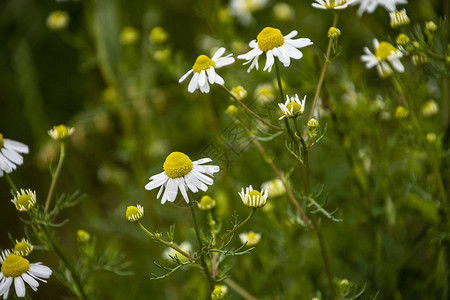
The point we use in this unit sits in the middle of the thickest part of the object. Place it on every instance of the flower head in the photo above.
(251, 238)
(399, 18)
(58, 20)
(18, 269)
(158, 35)
(23, 247)
(61, 132)
(385, 56)
(271, 41)
(370, 5)
(129, 35)
(333, 32)
(206, 203)
(134, 213)
(205, 71)
(239, 92)
(24, 200)
(9, 154)
(180, 173)
(332, 4)
(275, 187)
(401, 112)
(83, 236)
(219, 292)
(265, 93)
(293, 107)
(253, 198)
(430, 108)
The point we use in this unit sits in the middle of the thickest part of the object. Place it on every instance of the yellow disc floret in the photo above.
(134, 213)
(255, 194)
(1, 141)
(294, 108)
(23, 248)
(15, 265)
(384, 50)
(177, 165)
(269, 38)
(202, 63)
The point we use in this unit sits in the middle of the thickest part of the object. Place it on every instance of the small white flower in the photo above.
(251, 238)
(20, 270)
(24, 199)
(399, 18)
(9, 154)
(61, 132)
(332, 4)
(243, 9)
(293, 107)
(370, 5)
(253, 198)
(271, 41)
(385, 56)
(205, 73)
(180, 173)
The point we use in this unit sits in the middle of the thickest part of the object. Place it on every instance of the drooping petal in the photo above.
(185, 75)
(193, 84)
(31, 281)
(19, 286)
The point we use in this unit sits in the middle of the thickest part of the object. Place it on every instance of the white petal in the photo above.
(224, 61)
(253, 44)
(202, 161)
(211, 74)
(202, 177)
(31, 281)
(16, 146)
(193, 85)
(40, 271)
(19, 285)
(218, 53)
(156, 181)
(12, 156)
(182, 187)
(269, 61)
(210, 170)
(205, 88)
(185, 75)
(5, 286)
(291, 34)
(397, 64)
(171, 190)
(202, 78)
(161, 189)
(6, 165)
(292, 52)
(219, 80)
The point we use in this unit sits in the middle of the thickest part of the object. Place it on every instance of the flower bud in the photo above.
(401, 112)
(158, 35)
(206, 203)
(232, 111)
(399, 18)
(58, 20)
(60, 132)
(134, 213)
(402, 39)
(239, 92)
(333, 33)
(83, 236)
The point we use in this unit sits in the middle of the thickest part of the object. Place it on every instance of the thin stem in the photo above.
(169, 244)
(62, 155)
(202, 252)
(239, 289)
(323, 72)
(280, 176)
(233, 230)
(65, 261)
(11, 183)
(251, 112)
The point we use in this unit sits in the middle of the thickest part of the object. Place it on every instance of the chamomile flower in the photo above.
(134, 213)
(251, 238)
(370, 5)
(205, 71)
(9, 154)
(293, 107)
(385, 56)
(61, 132)
(253, 198)
(24, 200)
(20, 270)
(180, 173)
(332, 4)
(23, 247)
(271, 41)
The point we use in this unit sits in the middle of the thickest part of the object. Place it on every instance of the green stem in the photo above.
(11, 183)
(202, 252)
(323, 72)
(169, 244)
(62, 155)
(65, 261)
(233, 230)
(239, 289)
(247, 109)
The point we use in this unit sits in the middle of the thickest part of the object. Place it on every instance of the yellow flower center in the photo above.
(133, 213)
(22, 248)
(384, 50)
(269, 38)
(333, 3)
(15, 265)
(254, 193)
(62, 131)
(1, 141)
(295, 108)
(26, 201)
(203, 62)
(177, 165)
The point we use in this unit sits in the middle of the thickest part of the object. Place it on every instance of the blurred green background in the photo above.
(130, 112)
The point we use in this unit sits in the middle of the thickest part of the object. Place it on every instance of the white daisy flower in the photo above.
(385, 56)
(180, 173)
(243, 9)
(332, 4)
(204, 71)
(293, 107)
(20, 270)
(9, 154)
(251, 238)
(370, 5)
(24, 200)
(253, 198)
(271, 41)
(61, 132)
